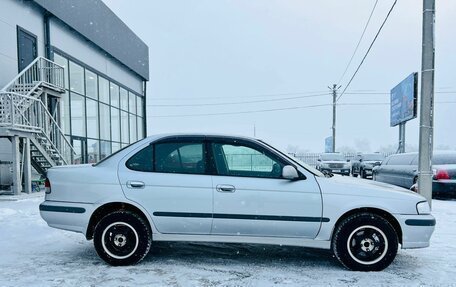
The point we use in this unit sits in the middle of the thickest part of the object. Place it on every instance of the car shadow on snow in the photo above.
(248, 254)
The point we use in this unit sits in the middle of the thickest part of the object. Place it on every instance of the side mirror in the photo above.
(348, 160)
(318, 159)
(360, 160)
(289, 172)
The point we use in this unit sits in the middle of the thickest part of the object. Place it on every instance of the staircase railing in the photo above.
(36, 119)
(41, 70)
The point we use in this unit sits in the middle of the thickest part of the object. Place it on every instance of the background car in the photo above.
(333, 163)
(402, 170)
(363, 164)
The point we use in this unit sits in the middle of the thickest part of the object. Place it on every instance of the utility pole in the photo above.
(427, 102)
(334, 93)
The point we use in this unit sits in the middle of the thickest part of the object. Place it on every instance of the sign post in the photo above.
(329, 144)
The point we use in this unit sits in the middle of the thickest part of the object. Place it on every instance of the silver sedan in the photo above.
(216, 188)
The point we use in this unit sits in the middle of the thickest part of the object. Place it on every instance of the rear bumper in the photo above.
(416, 230)
(444, 188)
(67, 215)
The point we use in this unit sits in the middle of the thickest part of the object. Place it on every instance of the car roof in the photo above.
(196, 134)
(436, 152)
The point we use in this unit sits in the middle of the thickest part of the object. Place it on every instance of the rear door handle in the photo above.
(225, 188)
(135, 184)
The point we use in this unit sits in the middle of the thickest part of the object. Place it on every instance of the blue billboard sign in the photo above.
(404, 100)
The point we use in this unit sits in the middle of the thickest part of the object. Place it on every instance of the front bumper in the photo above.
(344, 171)
(67, 215)
(416, 230)
(368, 171)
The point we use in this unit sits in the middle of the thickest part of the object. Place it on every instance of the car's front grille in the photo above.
(336, 165)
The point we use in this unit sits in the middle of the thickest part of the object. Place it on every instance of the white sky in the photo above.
(209, 52)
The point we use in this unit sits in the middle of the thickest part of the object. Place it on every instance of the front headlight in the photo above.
(423, 207)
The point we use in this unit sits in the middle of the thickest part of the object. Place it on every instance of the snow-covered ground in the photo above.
(33, 254)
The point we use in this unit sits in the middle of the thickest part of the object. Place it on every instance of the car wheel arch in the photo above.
(385, 214)
(108, 208)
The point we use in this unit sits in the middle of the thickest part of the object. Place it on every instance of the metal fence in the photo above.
(311, 158)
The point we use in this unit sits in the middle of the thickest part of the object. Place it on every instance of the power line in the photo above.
(242, 97)
(243, 112)
(277, 100)
(359, 42)
(368, 50)
(388, 93)
(237, 103)
(282, 109)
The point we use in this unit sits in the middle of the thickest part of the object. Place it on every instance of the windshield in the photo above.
(332, 157)
(373, 157)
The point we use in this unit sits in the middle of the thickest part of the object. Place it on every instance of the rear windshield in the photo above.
(335, 157)
(444, 159)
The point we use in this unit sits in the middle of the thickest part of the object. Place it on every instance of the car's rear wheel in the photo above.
(365, 242)
(122, 238)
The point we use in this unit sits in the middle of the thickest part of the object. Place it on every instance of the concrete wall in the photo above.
(75, 45)
(28, 16)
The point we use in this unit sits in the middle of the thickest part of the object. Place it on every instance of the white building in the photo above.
(72, 86)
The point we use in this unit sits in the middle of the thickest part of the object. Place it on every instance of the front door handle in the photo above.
(225, 188)
(135, 184)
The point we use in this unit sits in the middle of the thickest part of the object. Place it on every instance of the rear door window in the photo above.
(142, 160)
(178, 157)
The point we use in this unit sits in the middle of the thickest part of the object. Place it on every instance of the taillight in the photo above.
(442, 174)
(47, 186)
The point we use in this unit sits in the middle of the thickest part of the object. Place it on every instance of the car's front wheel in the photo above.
(353, 173)
(365, 242)
(122, 238)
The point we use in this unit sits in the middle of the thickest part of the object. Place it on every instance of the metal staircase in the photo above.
(24, 115)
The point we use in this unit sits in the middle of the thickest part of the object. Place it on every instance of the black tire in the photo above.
(353, 173)
(362, 173)
(122, 238)
(365, 242)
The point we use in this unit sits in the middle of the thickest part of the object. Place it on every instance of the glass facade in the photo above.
(98, 115)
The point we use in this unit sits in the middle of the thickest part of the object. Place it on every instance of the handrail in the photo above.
(39, 70)
(35, 118)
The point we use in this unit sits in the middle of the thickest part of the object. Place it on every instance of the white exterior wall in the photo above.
(27, 16)
(30, 17)
(76, 46)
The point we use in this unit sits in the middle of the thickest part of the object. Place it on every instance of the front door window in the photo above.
(240, 160)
